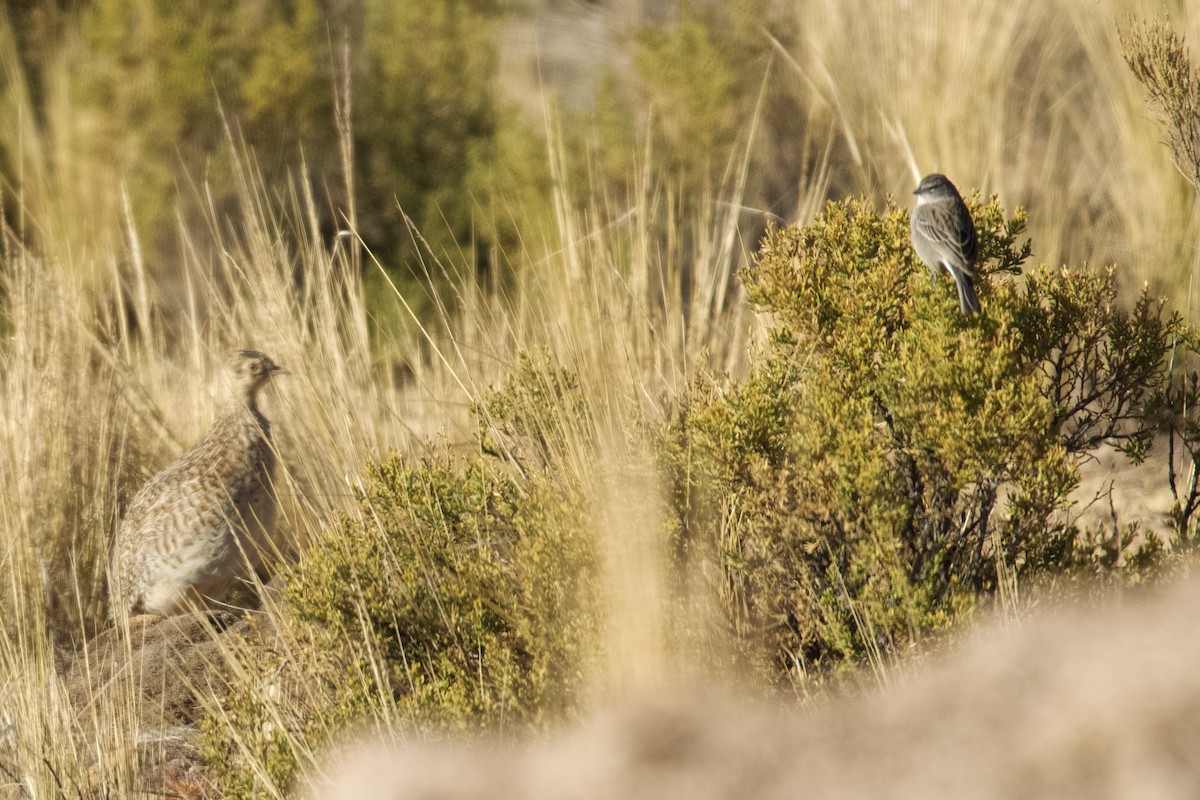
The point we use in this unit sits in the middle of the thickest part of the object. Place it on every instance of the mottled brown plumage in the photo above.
(204, 522)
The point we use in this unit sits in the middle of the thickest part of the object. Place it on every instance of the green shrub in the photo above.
(532, 418)
(468, 584)
(888, 458)
(460, 596)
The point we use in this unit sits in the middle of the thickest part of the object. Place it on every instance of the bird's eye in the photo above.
(254, 368)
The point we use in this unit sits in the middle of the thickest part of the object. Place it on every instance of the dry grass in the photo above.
(103, 379)
(1030, 99)
(99, 405)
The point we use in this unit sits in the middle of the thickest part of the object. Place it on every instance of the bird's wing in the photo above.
(956, 244)
(968, 240)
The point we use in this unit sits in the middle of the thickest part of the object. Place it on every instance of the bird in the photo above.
(205, 522)
(943, 233)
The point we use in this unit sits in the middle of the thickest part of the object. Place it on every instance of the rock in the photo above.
(175, 667)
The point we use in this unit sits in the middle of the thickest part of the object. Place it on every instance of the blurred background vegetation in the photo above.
(431, 121)
(393, 109)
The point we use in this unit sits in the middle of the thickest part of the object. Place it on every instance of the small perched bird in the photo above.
(943, 233)
(205, 521)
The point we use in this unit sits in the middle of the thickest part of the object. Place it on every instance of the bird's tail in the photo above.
(968, 301)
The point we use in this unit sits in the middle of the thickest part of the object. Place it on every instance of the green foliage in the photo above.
(460, 596)
(701, 79)
(251, 717)
(468, 585)
(154, 73)
(888, 458)
(692, 82)
(160, 85)
(690, 108)
(431, 136)
(535, 414)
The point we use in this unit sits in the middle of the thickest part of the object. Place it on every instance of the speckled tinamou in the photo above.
(204, 522)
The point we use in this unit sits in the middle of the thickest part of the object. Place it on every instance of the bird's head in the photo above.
(933, 187)
(247, 371)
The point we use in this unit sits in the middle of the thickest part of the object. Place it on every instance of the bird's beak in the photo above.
(917, 190)
(278, 370)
